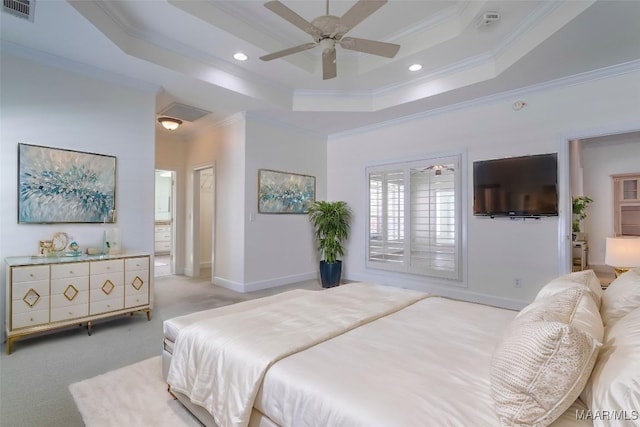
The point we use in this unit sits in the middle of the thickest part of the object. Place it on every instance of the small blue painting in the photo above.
(65, 186)
(283, 192)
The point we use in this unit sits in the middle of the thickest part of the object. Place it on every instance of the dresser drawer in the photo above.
(31, 318)
(69, 298)
(29, 290)
(163, 229)
(111, 266)
(162, 246)
(163, 236)
(137, 264)
(61, 271)
(105, 306)
(60, 286)
(29, 274)
(134, 298)
(69, 312)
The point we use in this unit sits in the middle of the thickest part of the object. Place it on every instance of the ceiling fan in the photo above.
(329, 30)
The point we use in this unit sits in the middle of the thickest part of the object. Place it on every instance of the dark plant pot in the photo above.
(330, 273)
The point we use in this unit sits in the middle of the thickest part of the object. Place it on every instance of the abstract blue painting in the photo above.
(65, 186)
(283, 192)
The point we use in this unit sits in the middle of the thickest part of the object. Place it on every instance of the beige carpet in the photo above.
(133, 396)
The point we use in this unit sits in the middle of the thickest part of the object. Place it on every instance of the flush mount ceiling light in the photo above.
(169, 123)
(415, 67)
(239, 56)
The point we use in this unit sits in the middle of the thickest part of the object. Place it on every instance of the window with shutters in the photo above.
(415, 217)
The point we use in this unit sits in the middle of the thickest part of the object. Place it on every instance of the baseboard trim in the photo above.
(446, 291)
(262, 284)
(206, 264)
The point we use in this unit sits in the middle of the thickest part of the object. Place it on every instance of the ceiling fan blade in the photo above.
(358, 13)
(373, 47)
(289, 51)
(289, 15)
(329, 67)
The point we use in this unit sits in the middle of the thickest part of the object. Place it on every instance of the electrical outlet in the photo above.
(517, 283)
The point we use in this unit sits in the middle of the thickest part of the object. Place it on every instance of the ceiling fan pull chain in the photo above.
(327, 7)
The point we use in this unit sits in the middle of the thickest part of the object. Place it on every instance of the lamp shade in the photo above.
(622, 252)
(170, 123)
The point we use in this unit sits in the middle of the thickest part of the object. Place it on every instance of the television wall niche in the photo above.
(525, 186)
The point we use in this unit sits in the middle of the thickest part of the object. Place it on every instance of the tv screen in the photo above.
(516, 186)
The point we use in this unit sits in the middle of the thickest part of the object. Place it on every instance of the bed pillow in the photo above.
(614, 384)
(621, 297)
(538, 371)
(573, 305)
(586, 278)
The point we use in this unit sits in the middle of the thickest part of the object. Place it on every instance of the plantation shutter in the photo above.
(414, 217)
(433, 248)
(386, 216)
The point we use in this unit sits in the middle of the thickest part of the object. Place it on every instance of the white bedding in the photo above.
(424, 365)
(434, 373)
(219, 362)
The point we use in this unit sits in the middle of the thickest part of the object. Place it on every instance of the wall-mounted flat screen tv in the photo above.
(524, 186)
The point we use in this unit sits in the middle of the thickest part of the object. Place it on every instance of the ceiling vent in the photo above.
(21, 8)
(183, 112)
(487, 18)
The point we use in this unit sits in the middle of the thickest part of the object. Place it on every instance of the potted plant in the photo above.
(578, 210)
(331, 222)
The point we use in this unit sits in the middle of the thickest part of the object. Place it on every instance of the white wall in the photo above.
(498, 250)
(49, 106)
(279, 248)
(252, 251)
(221, 147)
(615, 155)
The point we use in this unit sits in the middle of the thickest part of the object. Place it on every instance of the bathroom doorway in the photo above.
(164, 227)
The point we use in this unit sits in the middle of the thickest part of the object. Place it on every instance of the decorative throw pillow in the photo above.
(538, 371)
(621, 297)
(586, 278)
(614, 384)
(573, 305)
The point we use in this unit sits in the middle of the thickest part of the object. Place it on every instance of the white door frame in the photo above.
(195, 250)
(564, 185)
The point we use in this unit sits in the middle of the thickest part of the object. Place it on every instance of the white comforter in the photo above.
(426, 365)
(219, 363)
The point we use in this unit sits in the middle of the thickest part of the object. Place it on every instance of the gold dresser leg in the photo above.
(148, 315)
(9, 345)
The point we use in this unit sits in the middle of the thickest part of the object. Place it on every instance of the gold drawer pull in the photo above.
(31, 319)
(31, 275)
(70, 271)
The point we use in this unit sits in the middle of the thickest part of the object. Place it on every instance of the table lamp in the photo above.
(622, 253)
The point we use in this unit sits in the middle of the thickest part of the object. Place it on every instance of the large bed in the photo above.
(369, 355)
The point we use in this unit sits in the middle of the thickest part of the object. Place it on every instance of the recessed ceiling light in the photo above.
(415, 67)
(240, 56)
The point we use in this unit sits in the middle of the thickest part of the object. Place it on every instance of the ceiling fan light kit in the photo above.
(329, 30)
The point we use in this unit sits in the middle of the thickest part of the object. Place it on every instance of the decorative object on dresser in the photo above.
(622, 253)
(55, 292)
(331, 222)
(65, 186)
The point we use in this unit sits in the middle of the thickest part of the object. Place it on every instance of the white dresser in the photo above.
(45, 293)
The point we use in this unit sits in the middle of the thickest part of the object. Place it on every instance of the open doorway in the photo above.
(203, 222)
(164, 229)
(595, 161)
